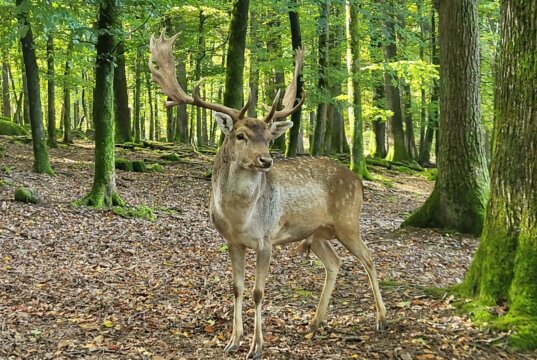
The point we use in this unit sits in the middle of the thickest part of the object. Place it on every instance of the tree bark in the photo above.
(296, 41)
(320, 121)
(148, 84)
(181, 120)
(357, 165)
(137, 95)
(51, 111)
(504, 268)
(41, 160)
(460, 194)
(233, 95)
(122, 112)
(104, 192)
(253, 79)
(26, 102)
(200, 137)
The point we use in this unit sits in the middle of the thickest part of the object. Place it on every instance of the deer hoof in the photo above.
(231, 347)
(255, 352)
(381, 325)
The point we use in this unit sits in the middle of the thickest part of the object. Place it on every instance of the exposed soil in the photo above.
(77, 283)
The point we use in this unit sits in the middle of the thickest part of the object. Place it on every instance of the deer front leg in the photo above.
(261, 272)
(237, 254)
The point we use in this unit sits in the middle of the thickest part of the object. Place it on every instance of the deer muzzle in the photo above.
(263, 162)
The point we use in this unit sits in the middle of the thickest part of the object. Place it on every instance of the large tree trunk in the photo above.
(41, 161)
(379, 98)
(320, 121)
(460, 194)
(357, 165)
(393, 95)
(104, 192)
(200, 135)
(253, 79)
(148, 84)
(233, 95)
(51, 111)
(296, 41)
(122, 113)
(504, 268)
(6, 99)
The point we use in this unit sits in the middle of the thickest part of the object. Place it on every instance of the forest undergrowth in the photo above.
(78, 283)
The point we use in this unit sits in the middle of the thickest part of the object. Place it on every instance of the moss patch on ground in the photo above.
(139, 212)
(10, 128)
(26, 195)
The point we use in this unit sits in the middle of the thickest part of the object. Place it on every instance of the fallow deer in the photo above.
(257, 202)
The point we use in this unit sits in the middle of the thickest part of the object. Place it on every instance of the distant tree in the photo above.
(51, 111)
(6, 98)
(122, 112)
(357, 165)
(104, 192)
(66, 120)
(460, 193)
(296, 41)
(504, 268)
(41, 161)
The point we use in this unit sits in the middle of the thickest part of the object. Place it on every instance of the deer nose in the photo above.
(264, 160)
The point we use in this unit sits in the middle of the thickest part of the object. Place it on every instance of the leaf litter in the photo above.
(78, 283)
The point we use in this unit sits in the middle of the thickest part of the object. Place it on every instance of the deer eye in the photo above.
(240, 136)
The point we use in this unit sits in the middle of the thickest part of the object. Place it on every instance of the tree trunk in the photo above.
(66, 119)
(148, 84)
(393, 96)
(122, 112)
(157, 120)
(6, 100)
(200, 138)
(233, 95)
(85, 116)
(320, 122)
(460, 194)
(137, 95)
(357, 164)
(410, 140)
(432, 124)
(253, 79)
(181, 120)
(296, 41)
(51, 111)
(504, 268)
(26, 103)
(379, 98)
(104, 192)
(41, 161)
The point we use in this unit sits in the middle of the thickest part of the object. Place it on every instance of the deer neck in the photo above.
(234, 187)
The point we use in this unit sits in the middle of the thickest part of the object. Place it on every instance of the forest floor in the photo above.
(78, 283)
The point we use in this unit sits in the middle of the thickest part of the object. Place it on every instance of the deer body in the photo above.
(257, 203)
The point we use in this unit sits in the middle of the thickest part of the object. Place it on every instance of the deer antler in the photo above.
(289, 97)
(165, 76)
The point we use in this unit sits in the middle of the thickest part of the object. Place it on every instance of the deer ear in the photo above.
(278, 128)
(225, 122)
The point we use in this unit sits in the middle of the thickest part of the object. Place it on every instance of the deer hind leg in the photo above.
(237, 255)
(353, 242)
(331, 261)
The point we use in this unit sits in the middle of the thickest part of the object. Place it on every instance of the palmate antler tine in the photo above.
(165, 77)
(289, 97)
(268, 118)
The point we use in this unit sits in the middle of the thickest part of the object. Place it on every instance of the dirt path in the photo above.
(82, 284)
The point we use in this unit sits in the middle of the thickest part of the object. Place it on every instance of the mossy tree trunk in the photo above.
(460, 193)
(357, 165)
(504, 268)
(104, 192)
(41, 160)
(122, 113)
(296, 41)
(6, 97)
(51, 111)
(253, 77)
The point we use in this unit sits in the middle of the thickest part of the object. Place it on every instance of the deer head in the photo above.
(246, 139)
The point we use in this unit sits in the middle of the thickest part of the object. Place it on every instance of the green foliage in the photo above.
(430, 174)
(5, 170)
(10, 128)
(138, 212)
(26, 195)
(5, 183)
(156, 168)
